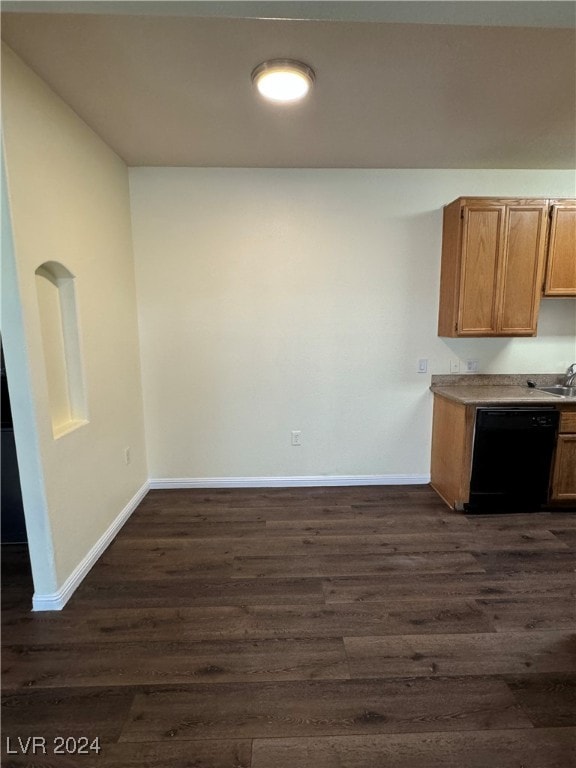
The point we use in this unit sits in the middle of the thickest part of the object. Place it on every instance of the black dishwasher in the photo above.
(511, 459)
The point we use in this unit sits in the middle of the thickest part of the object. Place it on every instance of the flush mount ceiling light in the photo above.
(283, 80)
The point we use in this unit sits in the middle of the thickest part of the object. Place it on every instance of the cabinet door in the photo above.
(564, 478)
(561, 262)
(482, 247)
(451, 460)
(521, 269)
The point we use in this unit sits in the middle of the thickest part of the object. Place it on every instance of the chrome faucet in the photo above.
(571, 376)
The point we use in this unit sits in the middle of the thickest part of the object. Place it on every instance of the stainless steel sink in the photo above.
(559, 389)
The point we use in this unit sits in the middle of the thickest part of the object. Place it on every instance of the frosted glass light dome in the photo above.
(283, 80)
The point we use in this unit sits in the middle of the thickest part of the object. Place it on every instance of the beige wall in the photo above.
(279, 300)
(69, 203)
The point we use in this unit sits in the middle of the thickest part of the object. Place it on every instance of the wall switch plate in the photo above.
(296, 435)
(127, 456)
(422, 365)
(472, 366)
(454, 366)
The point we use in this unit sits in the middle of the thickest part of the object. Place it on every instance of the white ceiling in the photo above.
(398, 84)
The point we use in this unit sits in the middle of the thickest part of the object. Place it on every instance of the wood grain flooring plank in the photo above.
(137, 528)
(530, 613)
(523, 561)
(322, 708)
(363, 526)
(390, 586)
(205, 513)
(429, 509)
(566, 535)
(542, 748)
(62, 665)
(96, 712)
(352, 565)
(548, 700)
(473, 654)
(192, 754)
(548, 520)
(516, 539)
(310, 511)
(112, 625)
(426, 499)
(191, 592)
(370, 544)
(166, 559)
(254, 497)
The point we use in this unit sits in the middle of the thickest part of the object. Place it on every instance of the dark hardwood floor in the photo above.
(305, 628)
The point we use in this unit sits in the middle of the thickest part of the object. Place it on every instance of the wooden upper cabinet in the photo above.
(521, 276)
(493, 253)
(482, 253)
(561, 261)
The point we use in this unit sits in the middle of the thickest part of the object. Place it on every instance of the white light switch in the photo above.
(422, 365)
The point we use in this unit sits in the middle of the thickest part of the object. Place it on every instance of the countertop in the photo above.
(493, 394)
(498, 389)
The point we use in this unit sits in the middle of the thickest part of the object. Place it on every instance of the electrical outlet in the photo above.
(422, 365)
(127, 457)
(296, 437)
(454, 366)
(472, 366)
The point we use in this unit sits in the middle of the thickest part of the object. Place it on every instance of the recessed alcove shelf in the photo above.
(61, 344)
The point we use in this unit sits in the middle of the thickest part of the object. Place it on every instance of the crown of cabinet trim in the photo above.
(494, 258)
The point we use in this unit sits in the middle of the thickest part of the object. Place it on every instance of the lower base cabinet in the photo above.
(452, 444)
(452, 434)
(564, 471)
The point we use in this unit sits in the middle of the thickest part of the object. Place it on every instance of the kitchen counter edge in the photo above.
(490, 394)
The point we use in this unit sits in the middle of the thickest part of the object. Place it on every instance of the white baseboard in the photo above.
(286, 482)
(57, 600)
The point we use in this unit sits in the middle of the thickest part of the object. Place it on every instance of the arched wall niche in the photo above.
(55, 286)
